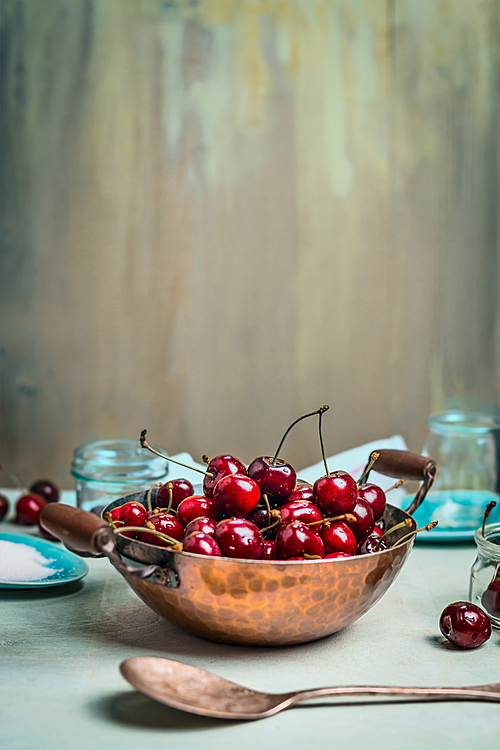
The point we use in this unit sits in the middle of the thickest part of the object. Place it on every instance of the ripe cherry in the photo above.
(219, 467)
(364, 522)
(29, 507)
(337, 492)
(338, 537)
(4, 507)
(300, 510)
(203, 524)
(236, 495)
(181, 489)
(302, 491)
(260, 517)
(337, 555)
(297, 539)
(375, 497)
(269, 551)
(46, 489)
(201, 544)
(372, 543)
(194, 507)
(238, 537)
(465, 625)
(132, 514)
(166, 524)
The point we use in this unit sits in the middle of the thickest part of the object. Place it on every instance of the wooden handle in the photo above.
(73, 526)
(402, 464)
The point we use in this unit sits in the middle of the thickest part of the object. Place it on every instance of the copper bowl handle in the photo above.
(406, 465)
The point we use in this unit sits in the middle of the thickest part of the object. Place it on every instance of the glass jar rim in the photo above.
(117, 460)
(484, 543)
(464, 422)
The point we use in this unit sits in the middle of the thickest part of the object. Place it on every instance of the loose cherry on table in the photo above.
(29, 507)
(4, 507)
(465, 625)
(275, 477)
(47, 489)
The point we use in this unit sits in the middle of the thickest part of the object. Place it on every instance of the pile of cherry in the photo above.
(261, 512)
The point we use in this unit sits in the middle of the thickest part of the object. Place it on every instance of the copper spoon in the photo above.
(198, 692)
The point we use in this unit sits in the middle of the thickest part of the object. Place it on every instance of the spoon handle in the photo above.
(474, 692)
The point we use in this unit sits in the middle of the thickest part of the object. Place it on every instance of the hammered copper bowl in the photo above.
(251, 602)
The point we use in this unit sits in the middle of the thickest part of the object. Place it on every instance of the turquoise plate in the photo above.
(67, 567)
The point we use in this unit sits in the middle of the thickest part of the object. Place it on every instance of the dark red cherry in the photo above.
(377, 531)
(301, 491)
(260, 517)
(372, 544)
(238, 537)
(194, 507)
(167, 524)
(274, 476)
(221, 466)
(465, 625)
(335, 494)
(133, 514)
(338, 537)
(29, 507)
(4, 507)
(375, 497)
(181, 489)
(296, 539)
(46, 489)
(201, 544)
(300, 510)
(203, 524)
(491, 597)
(236, 495)
(269, 551)
(364, 523)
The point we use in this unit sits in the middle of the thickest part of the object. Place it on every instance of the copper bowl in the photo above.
(251, 602)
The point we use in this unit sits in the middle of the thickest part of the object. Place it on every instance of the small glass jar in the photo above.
(466, 448)
(484, 586)
(109, 469)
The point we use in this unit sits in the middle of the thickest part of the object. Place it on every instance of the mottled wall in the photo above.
(218, 215)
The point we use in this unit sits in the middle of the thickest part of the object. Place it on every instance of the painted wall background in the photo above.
(219, 215)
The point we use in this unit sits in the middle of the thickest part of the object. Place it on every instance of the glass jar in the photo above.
(109, 469)
(466, 448)
(484, 586)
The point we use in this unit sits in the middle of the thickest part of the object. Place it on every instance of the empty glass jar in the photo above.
(109, 469)
(466, 448)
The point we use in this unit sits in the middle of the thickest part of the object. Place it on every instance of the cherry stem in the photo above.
(396, 485)
(145, 444)
(170, 488)
(174, 542)
(13, 478)
(312, 557)
(487, 513)
(266, 503)
(401, 525)
(343, 517)
(368, 468)
(266, 529)
(148, 496)
(429, 527)
(318, 411)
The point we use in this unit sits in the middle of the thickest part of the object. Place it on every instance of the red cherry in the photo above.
(219, 467)
(4, 507)
(337, 555)
(203, 524)
(167, 524)
(269, 552)
(132, 514)
(181, 489)
(194, 507)
(260, 517)
(300, 510)
(297, 539)
(301, 491)
(201, 544)
(377, 531)
(335, 494)
(364, 523)
(375, 497)
(238, 537)
(29, 507)
(372, 544)
(236, 495)
(338, 537)
(465, 625)
(275, 477)
(46, 489)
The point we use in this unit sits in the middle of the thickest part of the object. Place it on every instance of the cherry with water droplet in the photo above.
(465, 625)
(240, 538)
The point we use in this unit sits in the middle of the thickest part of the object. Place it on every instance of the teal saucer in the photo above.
(66, 566)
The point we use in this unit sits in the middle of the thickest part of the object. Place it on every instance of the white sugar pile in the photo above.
(20, 562)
